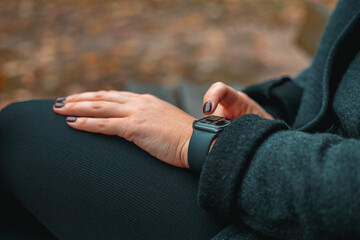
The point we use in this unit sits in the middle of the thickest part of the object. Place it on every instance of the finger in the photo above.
(219, 111)
(92, 109)
(111, 96)
(108, 126)
(218, 92)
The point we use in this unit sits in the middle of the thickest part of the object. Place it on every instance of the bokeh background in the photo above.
(58, 47)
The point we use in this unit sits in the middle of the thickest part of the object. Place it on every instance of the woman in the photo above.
(287, 167)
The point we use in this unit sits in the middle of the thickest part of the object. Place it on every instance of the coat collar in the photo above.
(341, 53)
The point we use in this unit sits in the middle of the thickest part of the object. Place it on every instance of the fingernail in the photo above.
(207, 107)
(60, 99)
(59, 104)
(71, 119)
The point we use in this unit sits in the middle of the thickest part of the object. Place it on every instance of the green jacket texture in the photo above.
(296, 177)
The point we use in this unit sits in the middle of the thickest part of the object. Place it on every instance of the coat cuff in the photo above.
(226, 165)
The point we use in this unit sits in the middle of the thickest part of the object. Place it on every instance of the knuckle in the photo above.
(97, 105)
(142, 108)
(130, 132)
(148, 96)
(219, 84)
(138, 121)
(100, 94)
(71, 106)
(82, 122)
(74, 97)
(103, 123)
(216, 89)
(128, 135)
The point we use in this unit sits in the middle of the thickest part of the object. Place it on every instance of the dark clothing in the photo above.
(297, 177)
(81, 185)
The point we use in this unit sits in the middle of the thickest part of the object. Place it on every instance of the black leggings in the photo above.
(80, 185)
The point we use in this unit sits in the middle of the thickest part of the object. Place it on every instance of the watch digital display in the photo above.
(215, 121)
(212, 123)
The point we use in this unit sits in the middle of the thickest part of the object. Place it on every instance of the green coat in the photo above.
(297, 177)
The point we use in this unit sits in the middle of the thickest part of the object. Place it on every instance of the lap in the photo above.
(85, 185)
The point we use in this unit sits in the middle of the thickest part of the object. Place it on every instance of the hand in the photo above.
(223, 100)
(154, 125)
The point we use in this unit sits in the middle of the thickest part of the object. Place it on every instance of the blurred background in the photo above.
(55, 48)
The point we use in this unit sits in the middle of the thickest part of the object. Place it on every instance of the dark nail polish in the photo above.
(71, 119)
(207, 107)
(59, 104)
(60, 99)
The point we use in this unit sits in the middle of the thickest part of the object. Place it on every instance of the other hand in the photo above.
(223, 100)
(156, 126)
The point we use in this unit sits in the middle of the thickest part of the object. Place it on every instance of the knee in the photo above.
(26, 106)
(25, 112)
(10, 113)
(21, 124)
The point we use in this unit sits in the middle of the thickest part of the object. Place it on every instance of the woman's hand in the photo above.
(154, 125)
(222, 100)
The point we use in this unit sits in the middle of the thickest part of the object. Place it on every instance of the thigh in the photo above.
(16, 222)
(82, 185)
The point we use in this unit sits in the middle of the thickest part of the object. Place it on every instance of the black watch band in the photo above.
(204, 132)
(199, 148)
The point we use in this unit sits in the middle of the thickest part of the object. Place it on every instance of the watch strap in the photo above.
(199, 145)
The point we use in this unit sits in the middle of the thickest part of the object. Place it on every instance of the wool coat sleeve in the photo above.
(284, 183)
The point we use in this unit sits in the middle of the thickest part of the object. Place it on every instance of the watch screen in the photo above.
(221, 122)
(215, 121)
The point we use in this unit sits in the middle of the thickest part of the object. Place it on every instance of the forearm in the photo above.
(284, 183)
(307, 186)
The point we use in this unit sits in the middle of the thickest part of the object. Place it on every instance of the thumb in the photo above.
(218, 93)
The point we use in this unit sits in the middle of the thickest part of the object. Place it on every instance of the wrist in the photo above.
(184, 154)
(205, 131)
(184, 149)
(212, 144)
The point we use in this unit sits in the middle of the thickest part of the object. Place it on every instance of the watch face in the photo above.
(212, 123)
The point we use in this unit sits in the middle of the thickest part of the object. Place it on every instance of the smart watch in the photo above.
(204, 131)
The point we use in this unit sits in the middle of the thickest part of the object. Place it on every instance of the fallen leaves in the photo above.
(53, 48)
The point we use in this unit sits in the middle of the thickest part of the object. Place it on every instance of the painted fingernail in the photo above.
(60, 99)
(207, 107)
(71, 119)
(59, 104)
